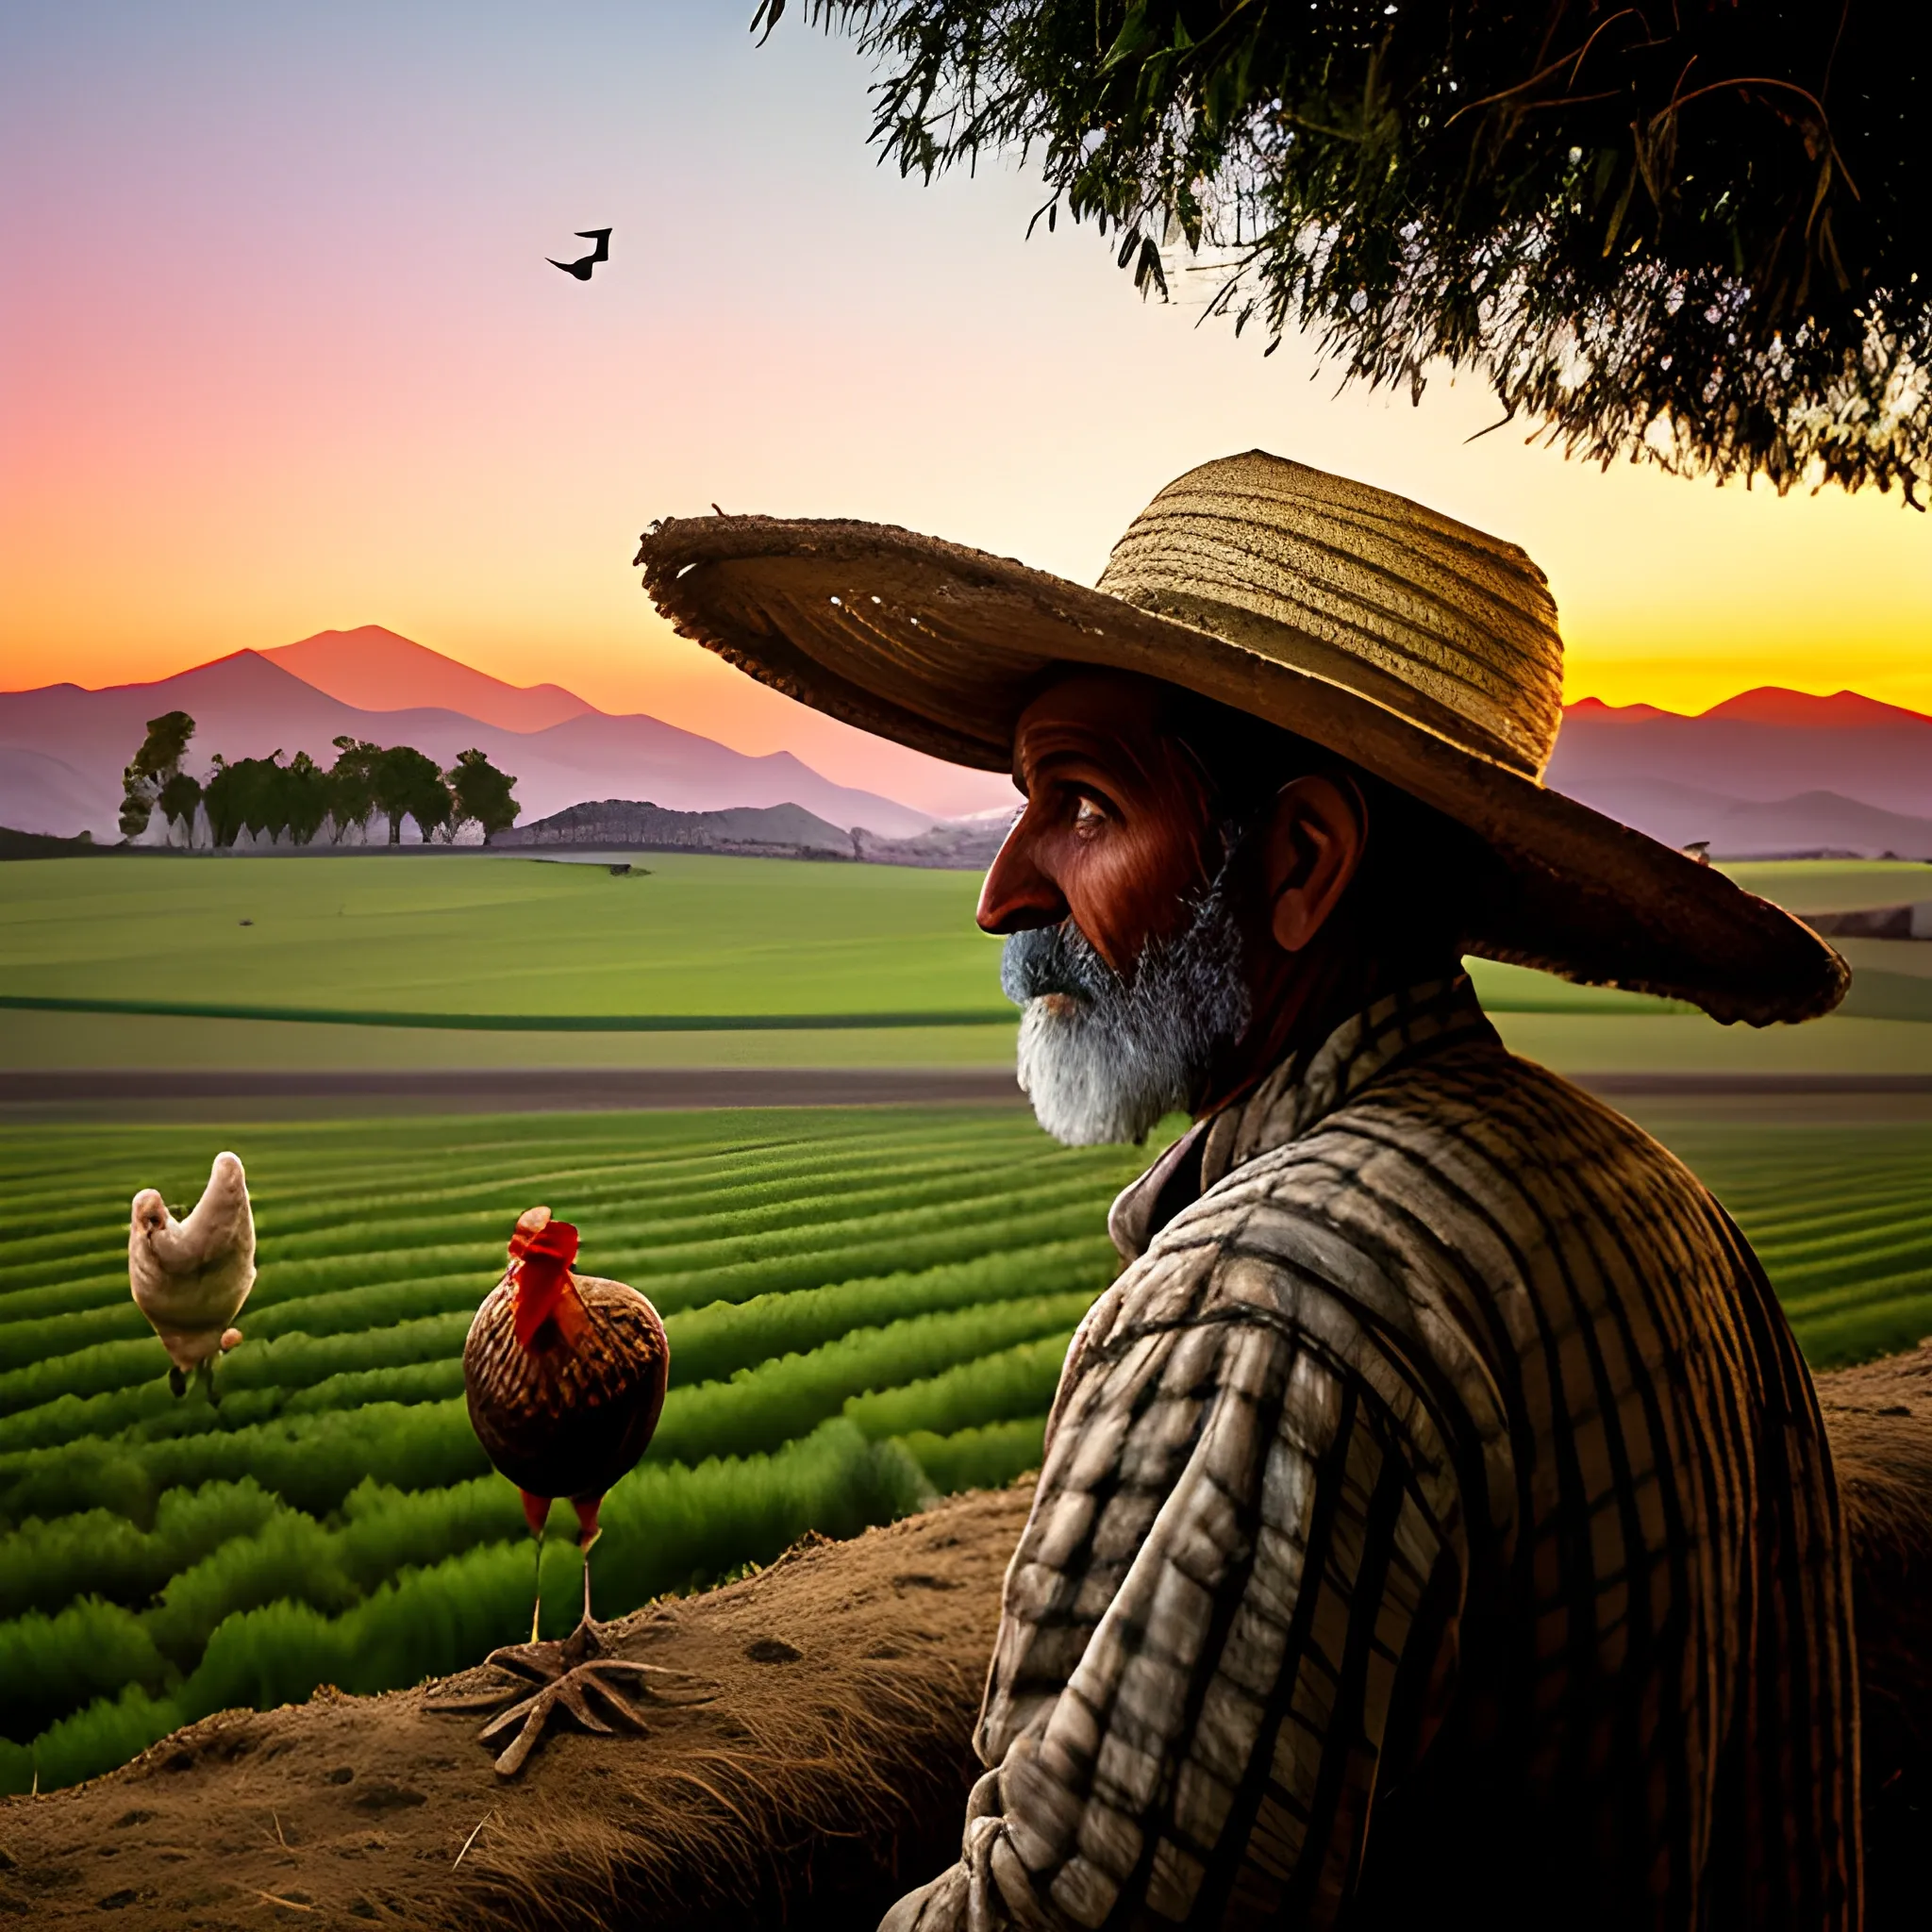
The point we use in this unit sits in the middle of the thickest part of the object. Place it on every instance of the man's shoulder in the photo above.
(1477, 1118)
(1449, 1173)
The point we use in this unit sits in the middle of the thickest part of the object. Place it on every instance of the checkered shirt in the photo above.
(1436, 1519)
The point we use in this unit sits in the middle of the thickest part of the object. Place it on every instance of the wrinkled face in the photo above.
(1122, 950)
(1115, 834)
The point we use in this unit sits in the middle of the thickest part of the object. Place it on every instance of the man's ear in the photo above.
(1315, 842)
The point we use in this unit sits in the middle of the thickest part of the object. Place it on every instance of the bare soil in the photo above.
(827, 1774)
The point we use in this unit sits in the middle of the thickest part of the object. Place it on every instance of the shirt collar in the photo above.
(1292, 1098)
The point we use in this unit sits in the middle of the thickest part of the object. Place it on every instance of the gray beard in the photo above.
(1103, 1057)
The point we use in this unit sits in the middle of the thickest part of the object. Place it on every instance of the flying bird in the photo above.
(565, 1377)
(582, 266)
(191, 1277)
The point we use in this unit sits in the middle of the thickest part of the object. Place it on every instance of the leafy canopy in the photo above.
(481, 795)
(154, 776)
(1694, 233)
(265, 795)
(407, 780)
(260, 795)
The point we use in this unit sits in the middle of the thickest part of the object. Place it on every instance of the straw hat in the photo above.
(1422, 650)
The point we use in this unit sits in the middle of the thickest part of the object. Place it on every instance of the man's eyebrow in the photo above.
(1048, 765)
(1067, 754)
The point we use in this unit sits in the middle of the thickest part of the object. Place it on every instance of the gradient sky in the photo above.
(280, 353)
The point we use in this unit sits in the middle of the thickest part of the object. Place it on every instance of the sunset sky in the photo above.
(279, 352)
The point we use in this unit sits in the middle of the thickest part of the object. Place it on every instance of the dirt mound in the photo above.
(1881, 1419)
(828, 1773)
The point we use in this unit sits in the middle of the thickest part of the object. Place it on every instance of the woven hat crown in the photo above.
(1451, 629)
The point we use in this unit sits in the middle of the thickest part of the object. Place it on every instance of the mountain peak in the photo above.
(1771, 703)
(1600, 713)
(375, 668)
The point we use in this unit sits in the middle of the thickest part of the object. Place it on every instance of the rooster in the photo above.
(191, 1277)
(565, 1377)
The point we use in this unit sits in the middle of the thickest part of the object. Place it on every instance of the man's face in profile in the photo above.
(1122, 949)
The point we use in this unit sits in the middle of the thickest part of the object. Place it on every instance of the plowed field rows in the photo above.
(865, 1308)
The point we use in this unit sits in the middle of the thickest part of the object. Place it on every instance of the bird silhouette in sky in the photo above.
(583, 265)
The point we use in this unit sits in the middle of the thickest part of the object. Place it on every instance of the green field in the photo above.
(866, 1308)
(446, 959)
(489, 937)
(1834, 885)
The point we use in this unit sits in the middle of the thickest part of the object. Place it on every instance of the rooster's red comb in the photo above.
(541, 1252)
(537, 1235)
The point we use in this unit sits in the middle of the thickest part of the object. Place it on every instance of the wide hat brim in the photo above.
(941, 647)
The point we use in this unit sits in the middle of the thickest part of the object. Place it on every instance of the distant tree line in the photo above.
(265, 795)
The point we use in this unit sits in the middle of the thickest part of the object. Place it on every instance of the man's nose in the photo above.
(1017, 895)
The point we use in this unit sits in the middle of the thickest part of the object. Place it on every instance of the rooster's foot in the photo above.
(567, 1676)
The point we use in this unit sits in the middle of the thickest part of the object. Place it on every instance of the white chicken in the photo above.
(191, 1277)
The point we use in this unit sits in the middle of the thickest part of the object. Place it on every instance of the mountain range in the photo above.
(63, 748)
(1767, 771)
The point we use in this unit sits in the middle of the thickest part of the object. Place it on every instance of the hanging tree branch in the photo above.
(1688, 233)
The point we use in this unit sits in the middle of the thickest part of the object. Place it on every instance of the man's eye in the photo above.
(1088, 816)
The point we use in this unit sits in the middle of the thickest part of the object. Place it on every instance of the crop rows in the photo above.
(865, 1308)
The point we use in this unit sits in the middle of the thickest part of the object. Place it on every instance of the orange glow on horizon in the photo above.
(385, 407)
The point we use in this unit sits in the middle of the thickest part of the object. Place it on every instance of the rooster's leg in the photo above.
(177, 1381)
(537, 1513)
(578, 1677)
(587, 1533)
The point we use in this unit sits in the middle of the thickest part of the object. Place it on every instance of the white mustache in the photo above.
(1054, 959)
(1103, 1057)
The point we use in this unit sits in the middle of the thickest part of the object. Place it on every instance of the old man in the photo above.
(1436, 1519)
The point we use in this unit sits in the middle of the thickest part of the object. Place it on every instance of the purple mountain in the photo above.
(62, 750)
(1769, 771)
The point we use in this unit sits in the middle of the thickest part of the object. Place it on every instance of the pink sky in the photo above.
(280, 353)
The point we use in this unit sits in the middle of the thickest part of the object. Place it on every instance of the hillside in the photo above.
(772, 831)
(1810, 822)
(627, 824)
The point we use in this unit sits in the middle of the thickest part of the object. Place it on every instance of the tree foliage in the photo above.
(154, 776)
(353, 778)
(267, 796)
(407, 780)
(1693, 233)
(260, 795)
(480, 794)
